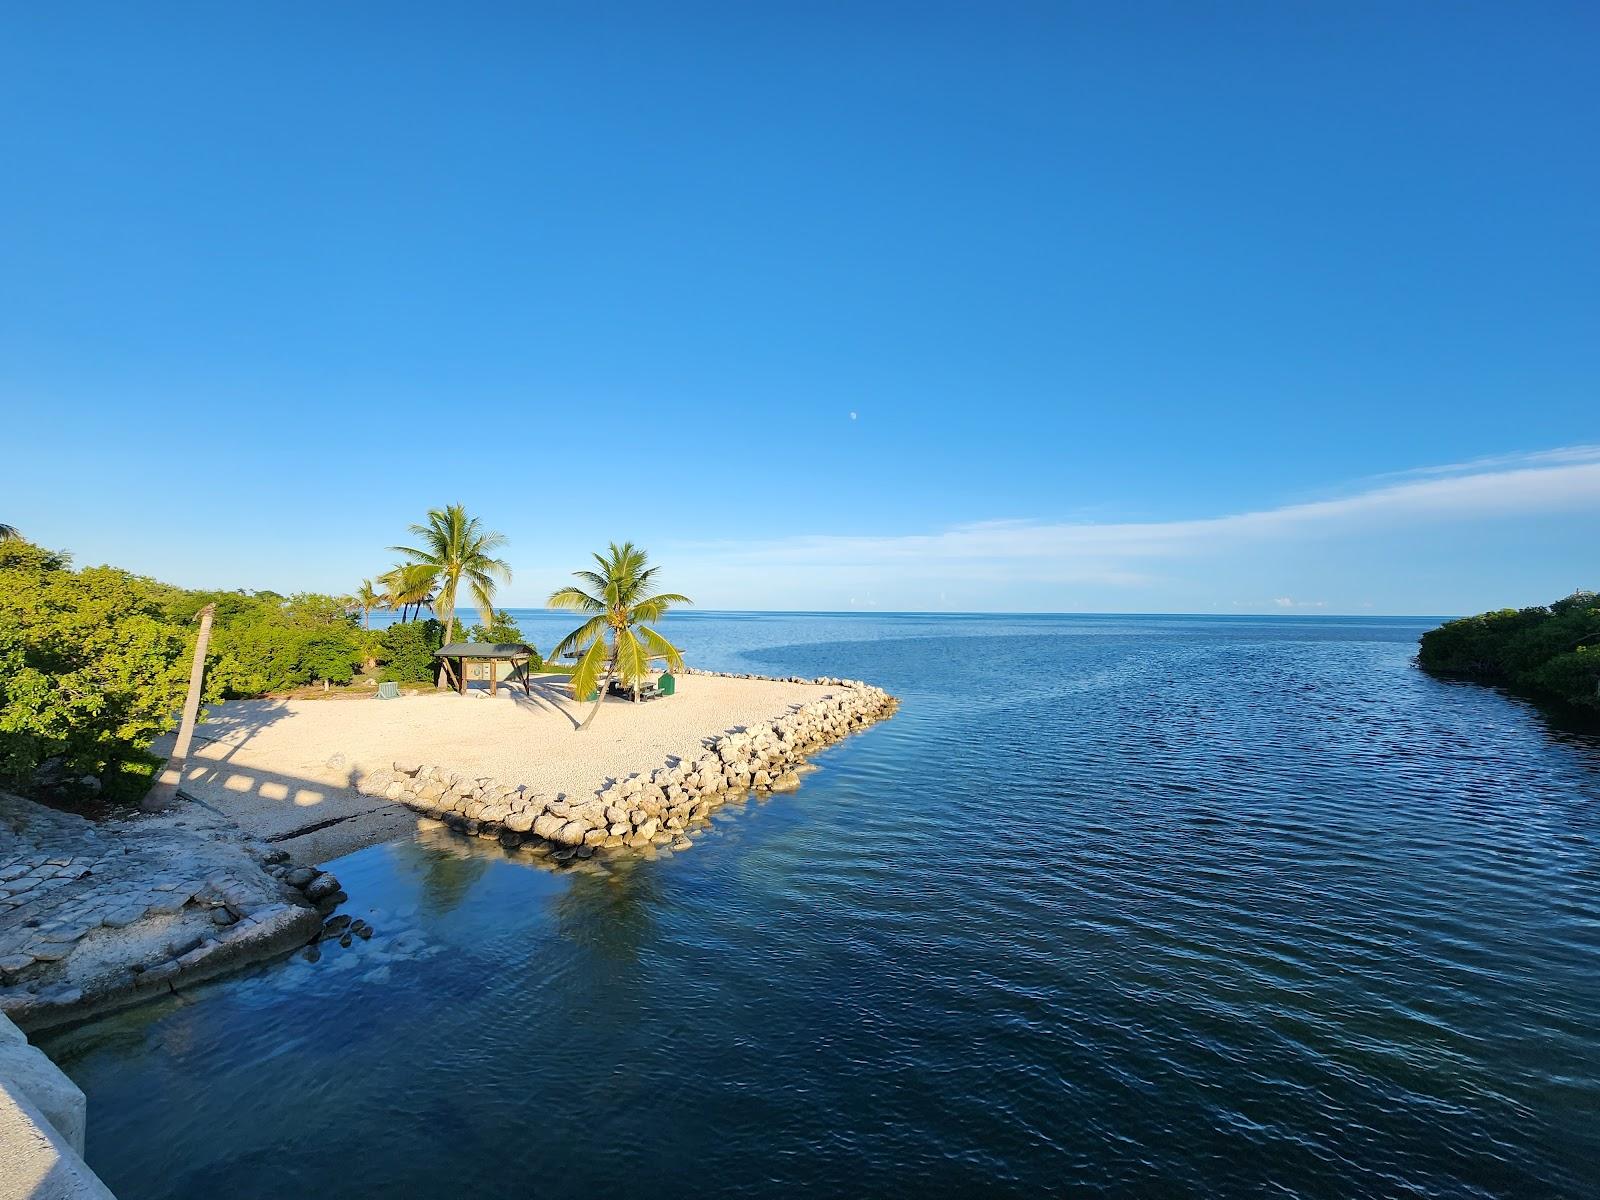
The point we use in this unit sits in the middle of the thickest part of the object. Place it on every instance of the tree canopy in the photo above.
(616, 642)
(93, 664)
(1551, 651)
(455, 548)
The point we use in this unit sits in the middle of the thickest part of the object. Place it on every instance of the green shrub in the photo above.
(93, 665)
(265, 643)
(503, 630)
(407, 651)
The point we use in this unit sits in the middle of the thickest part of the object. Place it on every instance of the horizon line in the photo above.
(1007, 612)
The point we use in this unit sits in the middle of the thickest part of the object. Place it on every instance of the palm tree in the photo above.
(10, 533)
(619, 597)
(457, 548)
(408, 584)
(366, 599)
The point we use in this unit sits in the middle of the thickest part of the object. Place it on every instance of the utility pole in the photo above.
(164, 794)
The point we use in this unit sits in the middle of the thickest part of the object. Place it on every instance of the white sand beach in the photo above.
(286, 769)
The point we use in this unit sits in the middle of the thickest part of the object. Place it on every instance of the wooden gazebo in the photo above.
(518, 654)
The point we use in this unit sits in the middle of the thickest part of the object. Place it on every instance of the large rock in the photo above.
(548, 825)
(320, 888)
(572, 833)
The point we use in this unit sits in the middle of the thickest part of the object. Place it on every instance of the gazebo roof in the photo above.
(484, 650)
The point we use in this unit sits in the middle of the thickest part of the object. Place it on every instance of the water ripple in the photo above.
(1120, 906)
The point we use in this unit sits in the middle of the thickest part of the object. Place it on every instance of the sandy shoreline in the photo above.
(285, 770)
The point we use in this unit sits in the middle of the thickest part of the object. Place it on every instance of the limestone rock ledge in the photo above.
(654, 810)
(97, 916)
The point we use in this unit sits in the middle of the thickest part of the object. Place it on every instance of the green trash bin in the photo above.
(594, 694)
(667, 684)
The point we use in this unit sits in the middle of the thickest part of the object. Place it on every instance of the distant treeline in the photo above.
(1552, 652)
(95, 662)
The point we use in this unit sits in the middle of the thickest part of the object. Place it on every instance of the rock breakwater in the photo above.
(655, 809)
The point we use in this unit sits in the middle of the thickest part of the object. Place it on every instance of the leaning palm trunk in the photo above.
(165, 793)
(601, 689)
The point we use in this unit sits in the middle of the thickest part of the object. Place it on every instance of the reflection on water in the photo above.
(446, 867)
(1124, 906)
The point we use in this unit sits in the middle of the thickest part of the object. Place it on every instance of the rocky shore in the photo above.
(658, 809)
(97, 916)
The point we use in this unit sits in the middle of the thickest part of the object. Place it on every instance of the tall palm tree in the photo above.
(366, 598)
(459, 549)
(10, 533)
(408, 584)
(615, 641)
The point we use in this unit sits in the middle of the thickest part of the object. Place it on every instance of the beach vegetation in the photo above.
(263, 642)
(502, 629)
(618, 640)
(407, 649)
(1550, 651)
(93, 665)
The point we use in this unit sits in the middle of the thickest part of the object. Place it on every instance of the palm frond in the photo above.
(483, 596)
(586, 675)
(654, 607)
(660, 646)
(574, 600)
(633, 660)
(418, 556)
(581, 637)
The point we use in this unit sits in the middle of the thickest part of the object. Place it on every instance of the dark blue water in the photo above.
(1119, 906)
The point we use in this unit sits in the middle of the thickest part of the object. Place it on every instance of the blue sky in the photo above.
(1113, 307)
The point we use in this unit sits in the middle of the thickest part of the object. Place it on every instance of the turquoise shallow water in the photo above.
(1120, 906)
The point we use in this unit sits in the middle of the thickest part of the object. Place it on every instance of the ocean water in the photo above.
(1116, 906)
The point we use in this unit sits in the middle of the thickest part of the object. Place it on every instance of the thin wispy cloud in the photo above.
(1126, 554)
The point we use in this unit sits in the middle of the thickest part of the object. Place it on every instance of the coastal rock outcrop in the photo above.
(96, 916)
(650, 810)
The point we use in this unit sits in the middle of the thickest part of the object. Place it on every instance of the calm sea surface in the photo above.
(1125, 906)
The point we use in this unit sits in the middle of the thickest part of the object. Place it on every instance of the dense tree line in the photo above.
(1549, 651)
(94, 662)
